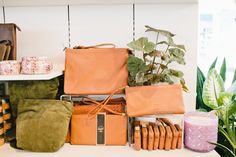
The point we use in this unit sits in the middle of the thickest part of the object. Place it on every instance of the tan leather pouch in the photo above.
(168, 101)
(169, 137)
(162, 136)
(174, 132)
(180, 138)
(137, 138)
(156, 137)
(95, 69)
(150, 138)
(144, 137)
(84, 130)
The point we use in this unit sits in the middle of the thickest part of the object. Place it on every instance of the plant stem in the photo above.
(144, 59)
(162, 62)
(154, 58)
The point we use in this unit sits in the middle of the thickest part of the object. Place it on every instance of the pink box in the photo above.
(10, 67)
(36, 65)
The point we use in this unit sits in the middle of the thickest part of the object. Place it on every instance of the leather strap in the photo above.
(95, 46)
(101, 105)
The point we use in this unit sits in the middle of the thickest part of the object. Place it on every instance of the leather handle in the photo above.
(95, 46)
(102, 105)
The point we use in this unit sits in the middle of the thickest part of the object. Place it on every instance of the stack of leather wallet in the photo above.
(163, 135)
(1, 126)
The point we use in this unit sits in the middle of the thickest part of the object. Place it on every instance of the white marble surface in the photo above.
(103, 151)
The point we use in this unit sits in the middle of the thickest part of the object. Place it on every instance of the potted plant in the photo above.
(212, 95)
(146, 94)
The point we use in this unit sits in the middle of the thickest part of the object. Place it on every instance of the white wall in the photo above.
(93, 24)
(45, 29)
(182, 20)
(1, 15)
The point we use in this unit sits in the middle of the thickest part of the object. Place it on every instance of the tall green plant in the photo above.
(211, 95)
(156, 58)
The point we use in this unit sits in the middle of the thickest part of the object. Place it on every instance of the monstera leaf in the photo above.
(212, 88)
(142, 44)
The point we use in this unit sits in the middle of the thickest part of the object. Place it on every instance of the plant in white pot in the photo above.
(146, 94)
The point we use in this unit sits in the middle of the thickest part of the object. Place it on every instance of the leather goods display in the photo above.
(152, 100)
(36, 65)
(42, 125)
(158, 135)
(101, 123)
(10, 67)
(8, 33)
(95, 70)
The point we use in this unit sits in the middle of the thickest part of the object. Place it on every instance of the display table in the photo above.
(103, 151)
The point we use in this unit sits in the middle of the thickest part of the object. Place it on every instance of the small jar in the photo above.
(200, 128)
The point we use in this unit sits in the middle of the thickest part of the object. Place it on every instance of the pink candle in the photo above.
(199, 129)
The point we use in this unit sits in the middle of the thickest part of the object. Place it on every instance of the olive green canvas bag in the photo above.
(42, 125)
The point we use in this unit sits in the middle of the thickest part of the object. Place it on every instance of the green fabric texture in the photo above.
(42, 125)
(44, 89)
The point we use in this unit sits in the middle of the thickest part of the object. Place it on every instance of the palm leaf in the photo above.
(223, 70)
(223, 148)
(221, 129)
(199, 101)
(213, 65)
(212, 88)
(234, 78)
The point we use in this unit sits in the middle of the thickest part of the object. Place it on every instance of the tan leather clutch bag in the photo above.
(162, 99)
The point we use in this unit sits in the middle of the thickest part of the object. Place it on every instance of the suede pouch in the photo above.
(44, 89)
(42, 125)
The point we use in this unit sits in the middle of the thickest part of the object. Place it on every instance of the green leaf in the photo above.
(212, 88)
(200, 80)
(222, 130)
(234, 78)
(139, 78)
(136, 65)
(155, 53)
(225, 98)
(142, 44)
(182, 82)
(213, 65)
(223, 70)
(177, 55)
(162, 32)
(223, 148)
(175, 73)
(182, 47)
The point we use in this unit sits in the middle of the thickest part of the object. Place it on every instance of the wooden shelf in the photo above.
(104, 151)
(79, 2)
